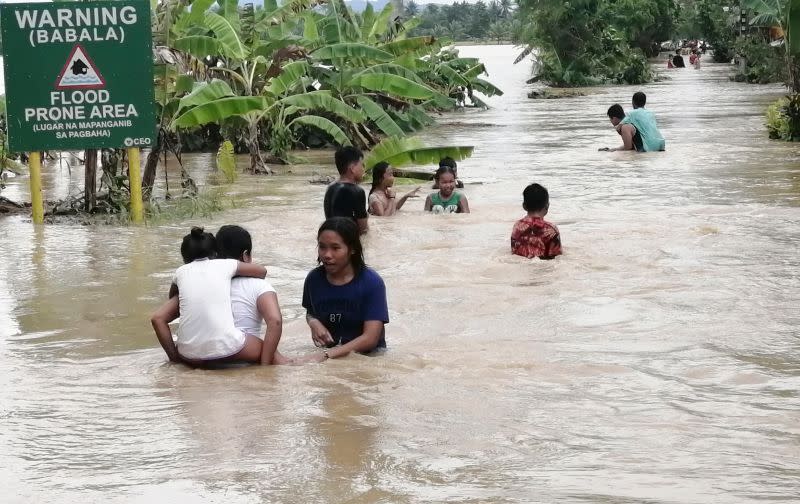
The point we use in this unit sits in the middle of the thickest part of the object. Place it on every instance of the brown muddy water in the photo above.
(657, 361)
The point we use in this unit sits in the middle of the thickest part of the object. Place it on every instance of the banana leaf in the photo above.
(474, 71)
(217, 110)
(393, 85)
(381, 23)
(379, 116)
(351, 51)
(228, 37)
(404, 151)
(289, 77)
(324, 101)
(198, 46)
(205, 92)
(199, 8)
(310, 31)
(414, 44)
(486, 88)
(226, 161)
(323, 124)
(183, 84)
(229, 10)
(452, 75)
(394, 69)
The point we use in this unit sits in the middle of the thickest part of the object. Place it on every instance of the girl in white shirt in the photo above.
(203, 284)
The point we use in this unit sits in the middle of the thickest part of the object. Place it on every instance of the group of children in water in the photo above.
(532, 236)
(222, 297)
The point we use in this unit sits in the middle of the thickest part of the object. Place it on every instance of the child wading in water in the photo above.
(382, 199)
(207, 331)
(447, 200)
(533, 236)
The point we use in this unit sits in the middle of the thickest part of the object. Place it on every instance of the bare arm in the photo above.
(407, 195)
(319, 333)
(270, 311)
(173, 291)
(428, 204)
(626, 131)
(463, 204)
(160, 320)
(250, 270)
(366, 342)
(376, 207)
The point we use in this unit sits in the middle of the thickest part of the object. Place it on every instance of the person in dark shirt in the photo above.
(344, 198)
(677, 60)
(345, 300)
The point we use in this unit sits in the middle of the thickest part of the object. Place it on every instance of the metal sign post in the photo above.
(79, 76)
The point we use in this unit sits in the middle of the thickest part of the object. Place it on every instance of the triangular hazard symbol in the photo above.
(79, 72)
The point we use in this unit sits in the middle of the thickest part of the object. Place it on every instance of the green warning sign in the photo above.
(78, 75)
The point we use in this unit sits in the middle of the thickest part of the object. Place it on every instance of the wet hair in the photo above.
(639, 99)
(378, 171)
(233, 241)
(535, 198)
(617, 111)
(348, 230)
(346, 156)
(198, 245)
(444, 169)
(448, 161)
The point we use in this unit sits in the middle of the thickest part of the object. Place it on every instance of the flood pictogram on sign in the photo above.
(79, 72)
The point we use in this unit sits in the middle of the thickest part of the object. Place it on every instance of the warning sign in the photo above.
(79, 72)
(79, 75)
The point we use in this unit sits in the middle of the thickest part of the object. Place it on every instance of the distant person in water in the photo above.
(677, 60)
(345, 198)
(383, 201)
(638, 129)
(448, 161)
(447, 199)
(533, 236)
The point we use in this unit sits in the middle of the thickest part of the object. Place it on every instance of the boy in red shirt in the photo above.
(533, 236)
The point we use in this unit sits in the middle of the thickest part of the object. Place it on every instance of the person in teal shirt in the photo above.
(638, 129)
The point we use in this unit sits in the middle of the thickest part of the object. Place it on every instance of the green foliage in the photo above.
(226, 161)
(408, 151)
(589, 42)
(764, 63)
(463, 21)
(783, 119)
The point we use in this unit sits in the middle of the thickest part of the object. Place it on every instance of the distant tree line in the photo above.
(464, 21)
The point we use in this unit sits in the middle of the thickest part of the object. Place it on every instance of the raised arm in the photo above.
(160, 320)
(403, 198)
(250, 270)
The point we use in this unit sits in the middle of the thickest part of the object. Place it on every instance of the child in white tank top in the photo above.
(207, 330)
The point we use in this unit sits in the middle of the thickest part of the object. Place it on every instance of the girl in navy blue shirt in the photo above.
(345, 301)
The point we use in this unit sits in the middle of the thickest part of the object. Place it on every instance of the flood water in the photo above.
(657, 360)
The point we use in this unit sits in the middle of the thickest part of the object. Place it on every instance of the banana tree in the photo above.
(786, 15)
(407, 151)
(246, 49)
